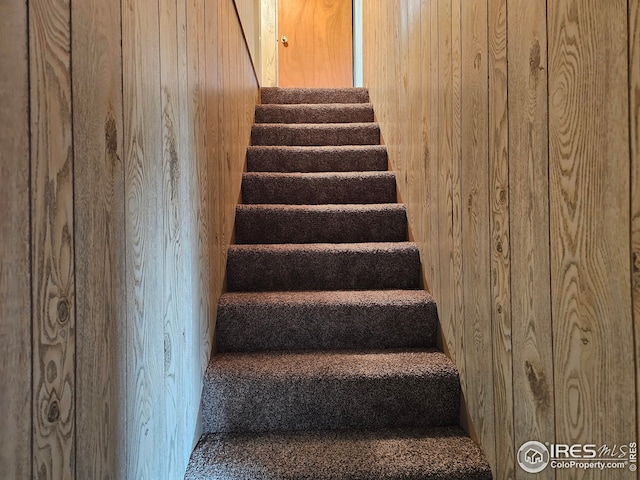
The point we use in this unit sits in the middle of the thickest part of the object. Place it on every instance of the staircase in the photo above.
(326, 365)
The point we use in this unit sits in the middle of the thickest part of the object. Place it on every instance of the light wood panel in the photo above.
(269, 42)
(15, 284)
(99, 223)
(476, 249)
(144, 212)
(500, 237)
(445, 177)
(529, 206)
(589, 212)
(52, 241)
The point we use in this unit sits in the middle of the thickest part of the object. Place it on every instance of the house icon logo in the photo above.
(533, 457)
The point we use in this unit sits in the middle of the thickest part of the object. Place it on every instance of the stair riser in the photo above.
(316, 159)
(259, 225)
(253, 405)
(315, 135)
(314, 95)
(313, 190)
(250, 328)
(314, 113)
(285, 270)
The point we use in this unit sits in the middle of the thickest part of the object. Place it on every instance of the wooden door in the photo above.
(318, 47)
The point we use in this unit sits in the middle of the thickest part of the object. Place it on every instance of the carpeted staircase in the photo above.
(326, 365)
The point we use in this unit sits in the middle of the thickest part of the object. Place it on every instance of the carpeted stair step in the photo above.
(314, 95)
(318, 188)
(344, 158)
(439, 453)
(315, 134)
(315, 113)
(333, 320)
(253, 392)
(323, 266)
(385, 222)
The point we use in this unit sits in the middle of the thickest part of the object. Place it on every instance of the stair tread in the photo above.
(271, 95)
(314, 113)
(337, 364)
(386, 454)
(315, 134)
(362, 247)
(347, 208)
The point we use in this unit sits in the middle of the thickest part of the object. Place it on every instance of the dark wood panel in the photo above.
(589, 212)
(529, 206)
(99, 220)
(634, 116)
(15, 285)
(52, 245)
(476, 248)
(500, 241)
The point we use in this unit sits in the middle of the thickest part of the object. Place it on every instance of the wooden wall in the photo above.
(124, 127)
(514, 130)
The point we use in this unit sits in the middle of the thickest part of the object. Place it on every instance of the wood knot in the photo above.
(499, 309)
(503, 196)
(499, 247)
(63, 311)
(54, 412)
(477, 61)
(534, 59)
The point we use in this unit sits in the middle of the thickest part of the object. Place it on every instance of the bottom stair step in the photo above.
(388, 454)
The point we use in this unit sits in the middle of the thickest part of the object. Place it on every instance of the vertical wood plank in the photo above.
(500, 240)
(434, 154)
(426, 160)
(529, 225)
(475, 225)
(198, 117)
(99, 221)
(444, 214)
(144, 227)
(590, 231)
(15, 274)
(456, 164)
(52, 240)
(175, 310)
(634, 130)
(269, 43)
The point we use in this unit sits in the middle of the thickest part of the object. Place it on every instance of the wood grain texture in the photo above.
(589, 203)
(269, 42)
(174, 307)
(144, 243)
(15, 277)
(319, 48)
(446, 309)
(634, 131)
(52, 245)
(99, 253)
(476, 245)
(500, 240)
(434, 147)
(529, 206)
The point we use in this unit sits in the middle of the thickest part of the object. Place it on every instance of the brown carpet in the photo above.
(326, 364)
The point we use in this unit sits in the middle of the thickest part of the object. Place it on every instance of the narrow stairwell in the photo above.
(327, 366)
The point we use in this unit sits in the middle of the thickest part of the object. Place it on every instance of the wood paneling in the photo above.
(269, 42)
(52, 239)
(15, 275)
(634, 130)
(526, 245)
(529, 208)
(116, 181)
(99, 223)
(589, 223)
(476, 248)
(500, 237)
